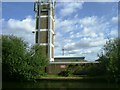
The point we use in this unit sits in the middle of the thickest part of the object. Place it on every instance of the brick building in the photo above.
(45, 26)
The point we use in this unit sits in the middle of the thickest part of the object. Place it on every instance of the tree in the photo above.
(38, 60)
(19, 62)
(111, 59)
(13, 56)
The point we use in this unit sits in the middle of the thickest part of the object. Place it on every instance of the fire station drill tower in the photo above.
(44, 34)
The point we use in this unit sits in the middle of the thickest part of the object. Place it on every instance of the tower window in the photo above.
(44, 13)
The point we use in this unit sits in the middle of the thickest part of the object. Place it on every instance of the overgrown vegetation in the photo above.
(22, 63)
(68, 71)
(83, 70)
(110, 59)
(109, 65)
(19, 62)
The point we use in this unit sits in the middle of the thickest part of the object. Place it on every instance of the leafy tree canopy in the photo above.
(110, 58)
(19, 62)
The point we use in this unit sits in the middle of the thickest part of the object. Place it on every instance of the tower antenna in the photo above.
(63, 51)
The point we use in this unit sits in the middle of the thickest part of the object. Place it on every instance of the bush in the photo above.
(110, 59)
(80, 70)
(89, 70)
(95, 70)
(63, 73)
(68, 71)
(19, 62)
(38, 60)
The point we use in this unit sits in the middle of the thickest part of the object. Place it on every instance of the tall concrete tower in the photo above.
(45, 26)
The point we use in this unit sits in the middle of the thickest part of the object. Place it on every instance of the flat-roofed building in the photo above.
(68, 59)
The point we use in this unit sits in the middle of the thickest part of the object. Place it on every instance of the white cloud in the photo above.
(89, 27)
(85, 43)
(88, 21)
(114, 33)
(115, 19)
(21, 28)
(26, 24)
(87, 0)
(84, 37)
(65, 24)
(68, 8)
(101, 0)
(63, 0)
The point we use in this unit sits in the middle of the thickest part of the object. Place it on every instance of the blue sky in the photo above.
(17, 10)
(81, 28)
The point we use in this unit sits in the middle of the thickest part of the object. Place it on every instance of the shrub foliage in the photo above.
(19, 62)
(110, 59)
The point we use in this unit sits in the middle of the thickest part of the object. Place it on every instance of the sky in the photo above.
(81, 28)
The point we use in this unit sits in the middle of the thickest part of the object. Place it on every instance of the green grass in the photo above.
(72, 77)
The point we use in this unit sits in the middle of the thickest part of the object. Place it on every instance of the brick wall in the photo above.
(56, 68)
